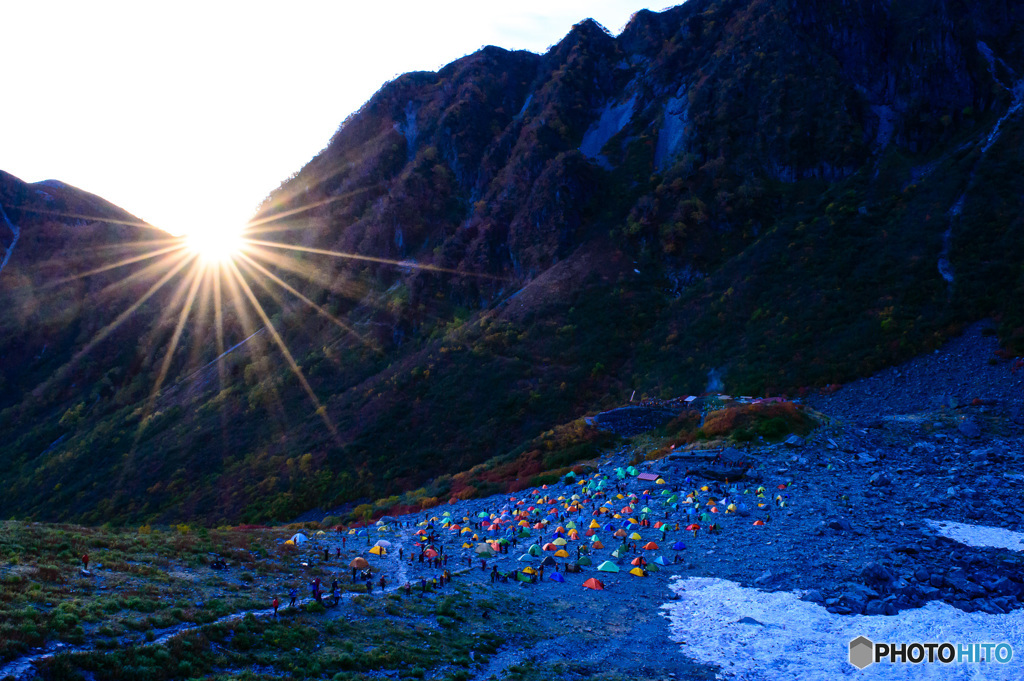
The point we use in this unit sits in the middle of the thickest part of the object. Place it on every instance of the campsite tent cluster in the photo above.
(615, 523)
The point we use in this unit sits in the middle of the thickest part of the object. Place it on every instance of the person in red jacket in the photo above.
(85, 561)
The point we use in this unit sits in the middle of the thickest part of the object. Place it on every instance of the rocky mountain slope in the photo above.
(784, 195)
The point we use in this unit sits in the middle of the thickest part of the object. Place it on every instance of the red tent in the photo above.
(595, 584)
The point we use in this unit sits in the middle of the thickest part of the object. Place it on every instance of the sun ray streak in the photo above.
(91, 218)
(186, 310)
(118, 321)
(370, 258)
(283, 284)
(320, 409)
(133, 245)
(274, 293)
(115, 265)
(304, 208)
(312, 274)
(145, 272)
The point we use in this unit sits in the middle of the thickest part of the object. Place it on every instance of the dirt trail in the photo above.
(22, 667)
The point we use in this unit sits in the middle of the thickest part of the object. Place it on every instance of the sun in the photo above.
(215, 244)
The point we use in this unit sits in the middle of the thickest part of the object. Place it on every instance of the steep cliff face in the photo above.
(708, 101)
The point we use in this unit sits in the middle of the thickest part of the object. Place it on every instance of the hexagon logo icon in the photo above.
(862, 652)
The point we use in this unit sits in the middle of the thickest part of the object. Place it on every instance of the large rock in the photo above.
(880, 479)
(969, 428)
(876, 574)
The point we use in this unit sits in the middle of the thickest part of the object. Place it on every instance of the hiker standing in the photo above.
(294, 595)
(327, 554)
(276, 603)
(85, 562)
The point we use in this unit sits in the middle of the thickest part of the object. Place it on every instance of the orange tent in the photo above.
(430, 553)
(595, 584)
(650, 546)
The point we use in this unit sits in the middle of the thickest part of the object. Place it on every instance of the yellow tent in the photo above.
(637, 571)
(562, 553)
(594, 525)
(559, 542)
(379, 551)
(529, 571)
(635, 537)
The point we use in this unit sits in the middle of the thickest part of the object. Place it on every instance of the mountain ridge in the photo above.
(760, 189)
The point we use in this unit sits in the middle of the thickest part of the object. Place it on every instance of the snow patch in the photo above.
(612, 120)
(980, 535)
(754, 635)
(529, 98)
(15, 232)
(887, 118)
(1018, 101)
(673, 129)
(409, 130)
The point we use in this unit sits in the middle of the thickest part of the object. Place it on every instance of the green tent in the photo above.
(522, 577)
(527, 557)
(633, 471)
(534, 550)
(585, 560)
(618, 553)
(608, 566)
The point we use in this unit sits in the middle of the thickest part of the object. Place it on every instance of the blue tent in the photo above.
(678, 546)
(557, 577)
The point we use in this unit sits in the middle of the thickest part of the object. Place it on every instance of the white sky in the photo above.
(177, 109)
